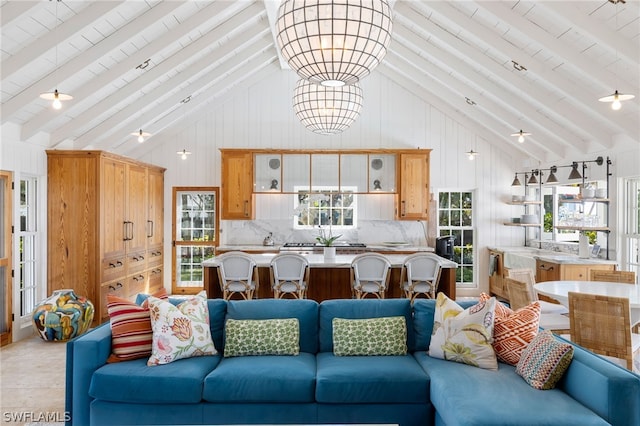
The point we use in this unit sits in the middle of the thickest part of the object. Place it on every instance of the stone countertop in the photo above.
(318, 260)
(370, 247)
(550, 256)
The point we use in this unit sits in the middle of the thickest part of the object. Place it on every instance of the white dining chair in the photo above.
(370, 275)
(420, 274)
(237, 273)
(289, 275)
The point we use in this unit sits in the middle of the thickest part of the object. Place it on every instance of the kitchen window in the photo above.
(326, 206)
(631, 235)
(455, 217)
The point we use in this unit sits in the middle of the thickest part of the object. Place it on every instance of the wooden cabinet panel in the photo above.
(551, 271)
(237, 185)
(98, 233)
(496, 280)
(413, 197)
(113, 203)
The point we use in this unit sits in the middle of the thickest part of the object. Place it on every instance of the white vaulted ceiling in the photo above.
(131, 64)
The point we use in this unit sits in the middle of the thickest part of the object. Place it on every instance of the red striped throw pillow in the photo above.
(131, 333)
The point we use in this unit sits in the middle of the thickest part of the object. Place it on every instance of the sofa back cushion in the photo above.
(361, 309)
(423, 312)
(306, 311)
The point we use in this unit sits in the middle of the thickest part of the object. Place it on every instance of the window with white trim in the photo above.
(631, 234)
(325, 206)
(455, 217)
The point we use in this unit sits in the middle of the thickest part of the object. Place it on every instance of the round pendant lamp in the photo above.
(333, 42)
(326, 110)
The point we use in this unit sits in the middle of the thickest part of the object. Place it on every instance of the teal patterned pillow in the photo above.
(371, 336)
(262, 337)
(544, 361)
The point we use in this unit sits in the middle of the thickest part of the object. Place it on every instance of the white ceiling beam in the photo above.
(592, 27)
(100, 136)
(456, 107)
(497, 101)
(180, 119)
(12, 10)
(475, 123)
(568, 131)
(572, 58)
(580, 97)
(87, 92)
(245, 22)
(60, 33)
(449, 85)
(80, 62)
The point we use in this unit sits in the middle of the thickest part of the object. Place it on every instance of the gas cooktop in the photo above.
(312, 245)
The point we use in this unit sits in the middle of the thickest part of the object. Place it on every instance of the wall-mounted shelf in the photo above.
(524, 203)
(584, 200)
(522, 224)
(583, 228)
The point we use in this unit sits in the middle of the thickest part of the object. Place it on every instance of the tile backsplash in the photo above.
(253, 232)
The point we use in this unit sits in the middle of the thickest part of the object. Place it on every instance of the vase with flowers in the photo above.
(327, 239)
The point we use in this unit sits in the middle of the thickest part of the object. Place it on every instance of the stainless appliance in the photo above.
(308, 248)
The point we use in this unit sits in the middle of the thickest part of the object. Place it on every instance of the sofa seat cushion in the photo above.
(370, 379)
(267, 378)
(465, 395)
(135, 382)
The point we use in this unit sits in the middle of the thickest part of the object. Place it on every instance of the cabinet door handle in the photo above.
(119, 285)
(544, 268)
(112, 288)
(149, 228)
(246, 208)
(131, 237)
(403, 211)
(124, 231)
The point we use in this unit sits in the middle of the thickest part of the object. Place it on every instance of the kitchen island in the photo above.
(328, 279)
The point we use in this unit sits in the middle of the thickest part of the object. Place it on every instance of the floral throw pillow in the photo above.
(464, 335)
(513, 331)
(262, 337)
(180, 331)
(370, 336)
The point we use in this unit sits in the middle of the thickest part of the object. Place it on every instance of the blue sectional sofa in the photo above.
(317, 387)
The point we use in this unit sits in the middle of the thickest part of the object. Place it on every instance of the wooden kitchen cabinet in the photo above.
(551, 271)
(237, 185)
(413, 185)
(99, 215)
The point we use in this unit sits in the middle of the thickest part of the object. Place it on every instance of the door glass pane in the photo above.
(197, 215)
(189, 261)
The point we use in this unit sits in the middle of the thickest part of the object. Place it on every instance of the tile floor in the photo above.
(32, 382)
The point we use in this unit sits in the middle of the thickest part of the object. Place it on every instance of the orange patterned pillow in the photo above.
(131, 333)
(513, 331)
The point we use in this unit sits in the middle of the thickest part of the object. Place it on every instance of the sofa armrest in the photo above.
(85, 355)
(607, 389)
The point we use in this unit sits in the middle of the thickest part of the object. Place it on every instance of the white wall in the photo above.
(261, 116)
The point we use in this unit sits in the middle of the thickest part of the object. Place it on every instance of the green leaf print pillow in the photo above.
(464, 335)
(370, 336)
(262, 337)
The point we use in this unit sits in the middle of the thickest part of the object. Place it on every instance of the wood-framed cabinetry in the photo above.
(245, 172)
(237, 184)
(105, 225)
(552, 271)
(413, 185)
(496, 279)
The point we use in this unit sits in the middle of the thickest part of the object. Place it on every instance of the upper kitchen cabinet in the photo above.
(268, 172)
(325, 172)
(237, 184)
(413, 182)
(382, 172)
(295, 172)
(353, 172)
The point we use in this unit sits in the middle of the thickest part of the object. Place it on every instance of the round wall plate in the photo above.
(376, 164)
(274, 163)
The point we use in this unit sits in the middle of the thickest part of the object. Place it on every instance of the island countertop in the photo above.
(329, 279)
(377, 247)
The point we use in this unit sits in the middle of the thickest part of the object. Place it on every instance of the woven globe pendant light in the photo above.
(326, 110)
(333, 42)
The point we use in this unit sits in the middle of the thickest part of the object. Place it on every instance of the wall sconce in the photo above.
(552, 176)
(575, 174)
(516, 181)
(377, 186)
(274, 185)
(532, 179)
